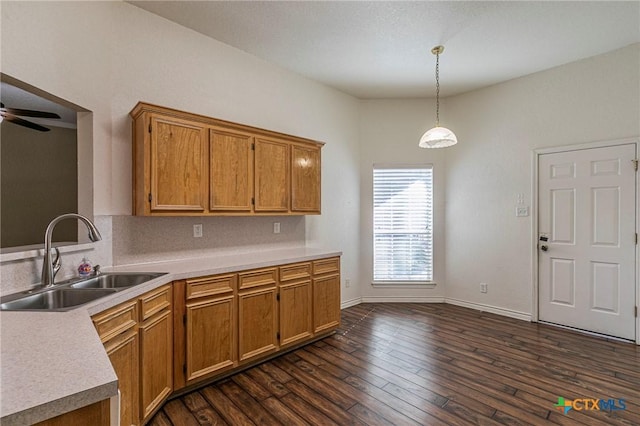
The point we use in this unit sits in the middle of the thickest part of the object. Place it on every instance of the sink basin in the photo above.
(70, 294)
(115, 280)
(55, 300)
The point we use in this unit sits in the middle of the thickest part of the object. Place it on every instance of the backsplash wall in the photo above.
(22, 274)
(153, 239)
(129, 240)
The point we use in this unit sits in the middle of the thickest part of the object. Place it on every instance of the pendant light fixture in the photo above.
(438, 137)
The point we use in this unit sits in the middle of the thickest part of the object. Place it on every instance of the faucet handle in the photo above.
(96, 270)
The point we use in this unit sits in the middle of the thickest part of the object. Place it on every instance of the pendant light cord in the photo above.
(437, 89)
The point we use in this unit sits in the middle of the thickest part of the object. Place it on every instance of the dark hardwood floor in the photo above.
(426, 364)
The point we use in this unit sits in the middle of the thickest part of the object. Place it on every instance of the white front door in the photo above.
(587, 210)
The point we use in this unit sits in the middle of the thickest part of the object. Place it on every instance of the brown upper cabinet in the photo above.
(191, 165)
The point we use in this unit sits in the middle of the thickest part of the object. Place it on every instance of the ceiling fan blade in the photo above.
(31, 113)
(19, 121)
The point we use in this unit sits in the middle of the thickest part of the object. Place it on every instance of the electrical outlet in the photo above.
(197, 231)
(483, 287)
(522, 211)
(347, 283)
(276, 227)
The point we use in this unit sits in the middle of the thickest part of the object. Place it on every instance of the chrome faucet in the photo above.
(48, 267)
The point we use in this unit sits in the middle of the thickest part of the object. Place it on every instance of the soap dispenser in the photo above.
(85, 268)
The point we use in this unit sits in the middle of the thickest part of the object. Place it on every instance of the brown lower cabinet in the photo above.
(191, 331)
(138, 337)
(97, 414)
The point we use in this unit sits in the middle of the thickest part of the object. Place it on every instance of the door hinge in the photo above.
(253, 147)
(253, 201)
(149, 127)
(149, 197)
(184, 369)
(184, 319)
(635, 164)
(636, 238)
(278, 297)
(278, 335)
(635, 314)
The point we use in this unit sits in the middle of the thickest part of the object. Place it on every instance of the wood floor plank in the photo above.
(250, 406)
(322, 404)
(425, 364)
(251, 386)
(268, 382)
(309, 376)
(160, 419)
(334, 370)
(223, 405)
(283, 413)
(306, 410)
(179, 414)
(343, 388)
(202, 411)
(275, 372)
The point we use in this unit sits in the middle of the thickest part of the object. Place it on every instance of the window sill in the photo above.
(404, 284)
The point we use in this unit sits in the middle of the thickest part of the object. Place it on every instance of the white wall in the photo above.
(389, 133)
(478, 238)
(498, 128)
(107, 56)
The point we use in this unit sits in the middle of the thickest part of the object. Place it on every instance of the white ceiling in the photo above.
(381, 49)
(22, 98)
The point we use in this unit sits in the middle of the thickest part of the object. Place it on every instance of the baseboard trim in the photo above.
(438, 299)
(491, 309)
(402, 299)
(350, 303)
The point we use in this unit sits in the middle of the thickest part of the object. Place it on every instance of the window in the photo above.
(402, 224)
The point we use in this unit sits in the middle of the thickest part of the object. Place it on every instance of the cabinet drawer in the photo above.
(324, 266)
(295, 271)
(210, 286)
(116, 320)
(257, 277)
(155, 301)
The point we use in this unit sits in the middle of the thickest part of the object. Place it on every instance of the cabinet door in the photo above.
(156, 361)
(97, 414)
(271, 176)
(123, 353)
(257, 320)
(326, 302)
(230, 171)
(210, 336)
(178, 165)
(305, 179)
(295, 312)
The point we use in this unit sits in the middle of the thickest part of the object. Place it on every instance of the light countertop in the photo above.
(54, 362)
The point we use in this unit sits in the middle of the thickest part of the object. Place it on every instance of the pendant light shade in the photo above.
(438, 137)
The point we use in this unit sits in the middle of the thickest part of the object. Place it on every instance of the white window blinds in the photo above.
(402, 224)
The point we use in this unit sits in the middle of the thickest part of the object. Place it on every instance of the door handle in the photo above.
(544, 248)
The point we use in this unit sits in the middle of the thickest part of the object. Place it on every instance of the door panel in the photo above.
(271, 164)
(587, 210)
(563, 281)
(564, 216)
(178, 175)
(231, 171)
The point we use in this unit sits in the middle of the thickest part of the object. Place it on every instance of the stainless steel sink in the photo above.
(115, 280)
(73, 293)
(59, 299)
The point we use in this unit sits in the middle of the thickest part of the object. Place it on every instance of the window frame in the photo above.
(403, 283)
